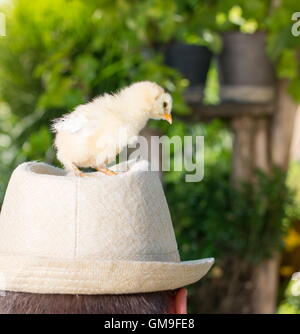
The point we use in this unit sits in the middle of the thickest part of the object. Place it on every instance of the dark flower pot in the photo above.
(246, 73)
(193, 62)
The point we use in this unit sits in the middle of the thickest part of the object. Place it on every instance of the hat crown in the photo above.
(124, 217)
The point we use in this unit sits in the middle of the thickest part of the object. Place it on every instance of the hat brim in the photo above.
(51, 276)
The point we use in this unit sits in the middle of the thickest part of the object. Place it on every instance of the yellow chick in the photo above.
(94, 133)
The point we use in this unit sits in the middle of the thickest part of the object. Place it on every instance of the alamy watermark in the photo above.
(179, 154)
(295, 289)
(2, 25)
(296, 25)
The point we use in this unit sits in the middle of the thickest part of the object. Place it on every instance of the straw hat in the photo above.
(92, 235)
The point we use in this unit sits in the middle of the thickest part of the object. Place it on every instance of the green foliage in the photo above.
(241, 15)
(283, 46)
(212, 87)
(218, 220)
(276, 20)
(291, 303)
(197, 23)
(213, 218)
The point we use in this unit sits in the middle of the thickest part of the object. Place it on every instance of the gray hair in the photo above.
(141, 303)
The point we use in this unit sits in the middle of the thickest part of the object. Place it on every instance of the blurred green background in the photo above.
(61, 53)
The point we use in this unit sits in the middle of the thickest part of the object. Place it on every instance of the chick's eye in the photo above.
(165, 104)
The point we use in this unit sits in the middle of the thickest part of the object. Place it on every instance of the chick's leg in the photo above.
(106, 171)
(74, 169)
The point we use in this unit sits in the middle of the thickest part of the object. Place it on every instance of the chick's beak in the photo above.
(168, 118)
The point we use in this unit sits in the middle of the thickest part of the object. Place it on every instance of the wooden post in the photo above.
(242, 165)
(265, 275)
(260, 143)
(265, 285)
(282, 126)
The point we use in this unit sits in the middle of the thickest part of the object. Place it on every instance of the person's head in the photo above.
(172, 301)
